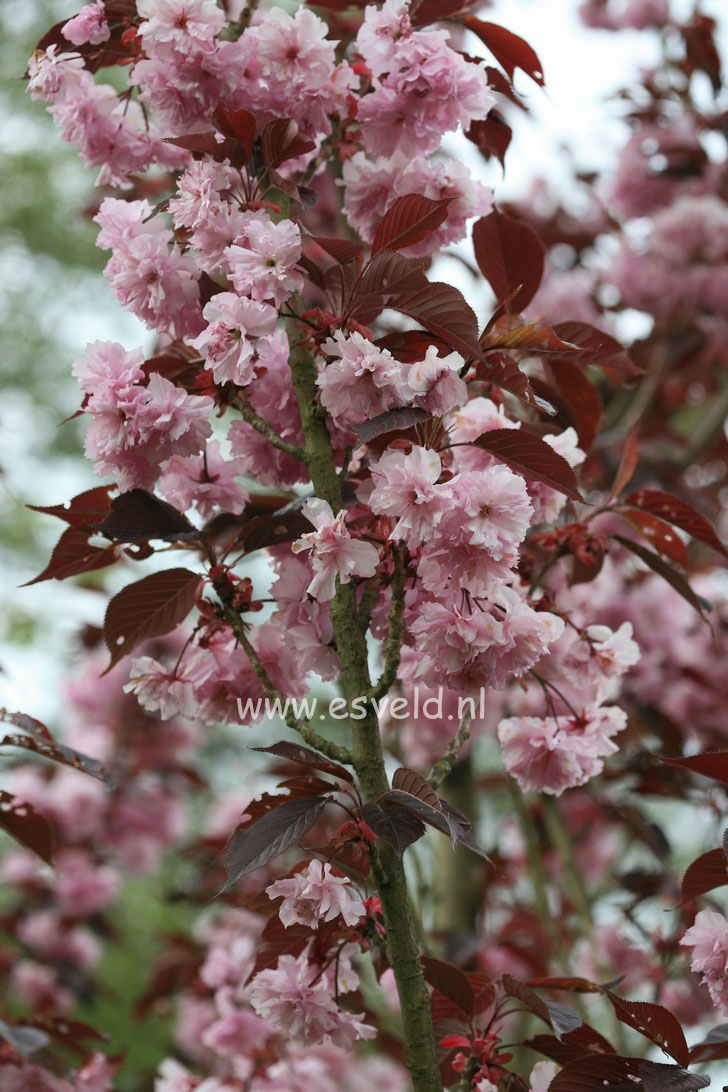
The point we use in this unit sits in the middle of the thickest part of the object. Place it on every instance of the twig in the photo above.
(393, 646)
(248, 414)
(441, 769)
(232, 32)
(308, 734)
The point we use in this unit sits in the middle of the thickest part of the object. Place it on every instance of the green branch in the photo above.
(260, 424)
(441, 769)
(387, 868)
(393, 645)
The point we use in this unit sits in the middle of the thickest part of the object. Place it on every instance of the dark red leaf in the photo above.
(655, 1022)
(658, 1077)
(237, 124)
(501, 369)
(396, 825)
(713, 1048)
(575, 984)
(202, 144)
(148, 608)
(535, 337)
(410, 219)
(627, 463)
(679, 513)
(137, 516)
(87, 508)
(411, 782)
(443, 311)
(434, 817)
(450, 981)
(277, 940)
(581, 397)
(560, 1019)
(491, 136)
(284, 525)
(279, 828)
(709, 871)
(281, 141)
(665, 570)
(296, 752)
(391, 421)
(598, 348)
(343, 250)
(72, 555)
(510, 51)
(712, 764)
(510, 256)
(461, 829)
(410, 346)
(598, 1073)
(532, 457)
(659, 534)
(24, 1038)
(424, 12)
(22, 822)
(39, 740)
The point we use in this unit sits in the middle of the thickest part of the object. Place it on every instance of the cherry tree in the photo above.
(479, 530)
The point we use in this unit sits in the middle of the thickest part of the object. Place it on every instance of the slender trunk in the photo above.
(387, 868)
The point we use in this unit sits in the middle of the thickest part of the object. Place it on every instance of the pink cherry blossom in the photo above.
(428, 91)
(363, 382)
(297, 1001)
(405, 489)
(181, 23)
(372, 186)
(157, 689)
(315, 895)
(708, 937)
(226, 343)
(554, 753)
(333, 551)
(206, 482)
(262, 266)
(81, 887)
(198, 192)
(90, 25)
(436, 383)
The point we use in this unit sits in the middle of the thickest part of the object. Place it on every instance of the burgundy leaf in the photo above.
(536, 337)
(712, 764)
(202, 144)
(148, 608)
(281, 141)
(411, 782)
(450, 981)
(714, 1046)
(492, 136)
(277, 940)
(343, 250)
(396, 825)
(510, 256)
(679, 513)
(410, 219)
(434, 817)
(510, 51)
(22, 822)
(391, 421)
(707, 872)
(560, 1019)
(296, 752)
(627, 463)
(581, 397)
(410, 346)
(237, 124)
(25, 1039)
(424, 12)
(659, 534)
(532, 457)
(598, 348)
(72, 555)
(658, 1077)
(665, 570)
(501, 369)
(284, 525)
(571, 983)
(39, 740)
(443, 311)
(138, 515)
(461, 829)
(278, 829)
(598, 1073)
(655, 1022)
(83, 510)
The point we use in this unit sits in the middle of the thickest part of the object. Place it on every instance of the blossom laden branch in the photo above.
(264, 427)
